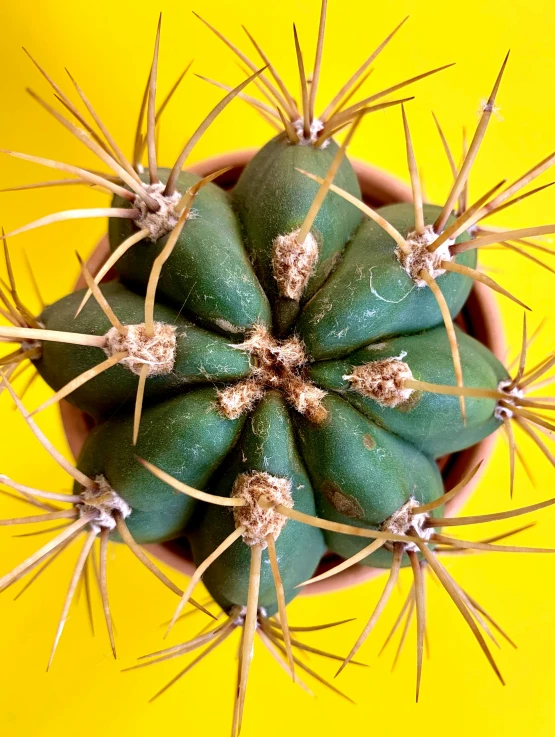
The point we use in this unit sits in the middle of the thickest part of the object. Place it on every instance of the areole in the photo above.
(479, 318)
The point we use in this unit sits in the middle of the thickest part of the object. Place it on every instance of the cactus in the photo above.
(293, 362)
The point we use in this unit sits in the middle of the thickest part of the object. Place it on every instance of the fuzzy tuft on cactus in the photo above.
(275, 370)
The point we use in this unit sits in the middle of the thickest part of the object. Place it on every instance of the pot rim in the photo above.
(481, 313)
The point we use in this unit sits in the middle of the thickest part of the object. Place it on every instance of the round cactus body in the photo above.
(323, 453)
(302, 447)
(357, 472)
(291, 377)
(275, 370)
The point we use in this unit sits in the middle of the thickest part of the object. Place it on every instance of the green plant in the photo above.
(321, 335)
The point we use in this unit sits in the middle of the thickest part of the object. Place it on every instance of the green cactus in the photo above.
(267, 446)
(432, 422)
(293, 363)
(200, 356)
(208, 265)
(270, 203)
(367, 298)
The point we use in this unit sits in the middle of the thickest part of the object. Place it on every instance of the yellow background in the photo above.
(107, 46)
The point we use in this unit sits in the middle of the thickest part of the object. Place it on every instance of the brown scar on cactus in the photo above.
(300, 123)
(410, 531)
(95, 512)
(276, 364)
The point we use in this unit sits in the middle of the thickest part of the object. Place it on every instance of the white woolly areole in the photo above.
(32, 345)
(159, 223)
(407, 521)
(420, 258)
(104, 501)
(382, 381)
(502, 413)
(293, 263)
(227, 326)
(239, 398)
(237, 615)
(306, 398)
(276, 364)
(259, 523)
(156, 351)
(269, 353)
(315, 127)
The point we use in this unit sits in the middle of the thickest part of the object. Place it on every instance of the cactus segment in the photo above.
(208, 274)
(184, 435)
(362, 475)
(370, 296)
(431, 422)
(200, 356)
(272, 201)
(267, 446)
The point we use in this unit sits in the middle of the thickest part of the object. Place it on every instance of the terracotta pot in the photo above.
(479, 317)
